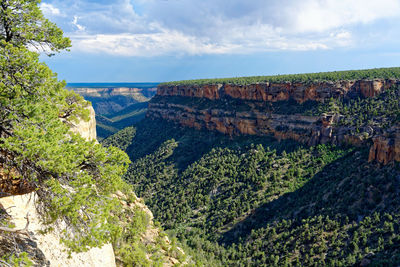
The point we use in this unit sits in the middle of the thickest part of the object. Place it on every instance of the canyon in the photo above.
(116, 91)
(246, 110)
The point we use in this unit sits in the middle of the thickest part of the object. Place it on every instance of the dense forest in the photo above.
(384, 73)
(254, 201)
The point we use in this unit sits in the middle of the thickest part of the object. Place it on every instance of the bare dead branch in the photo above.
(19, 231)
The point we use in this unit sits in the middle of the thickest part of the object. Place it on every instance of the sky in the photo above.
(168, 40)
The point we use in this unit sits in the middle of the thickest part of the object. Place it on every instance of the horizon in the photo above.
(76, 84)
(153, 41)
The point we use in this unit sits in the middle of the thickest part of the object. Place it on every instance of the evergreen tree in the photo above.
(75, 179)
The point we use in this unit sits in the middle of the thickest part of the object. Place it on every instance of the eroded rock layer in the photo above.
(244, 109)
(301, 92)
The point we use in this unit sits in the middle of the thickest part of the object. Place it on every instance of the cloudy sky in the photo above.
(163, 40)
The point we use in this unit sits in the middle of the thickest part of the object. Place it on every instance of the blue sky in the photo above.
(164, 40)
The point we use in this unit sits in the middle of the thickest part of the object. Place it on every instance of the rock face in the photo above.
(306, 129)
(300, 92)
(22, 202)
(210, 107)
(87, 129)
(19, 206)
(386, 148)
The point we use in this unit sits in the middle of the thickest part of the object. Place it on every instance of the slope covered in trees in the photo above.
(254, 201)
(107, 125)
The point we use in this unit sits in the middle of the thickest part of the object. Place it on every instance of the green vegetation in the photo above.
(385, 73)
(121, 140)
(107, 125)
(78, 182)
(254, 201)
(73, 178)
(381, 111)
(113, 104)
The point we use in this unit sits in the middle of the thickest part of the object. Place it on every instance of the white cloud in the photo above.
(49, 10)
(78, 26)
(218, 26)
(146, 45)
(242, 41)
(314, 15)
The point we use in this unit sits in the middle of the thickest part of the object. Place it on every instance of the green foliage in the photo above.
(109, 124)
(21, 260)
(385, 73)
(130, 248)
(381, 111)
(253, 201)
(121, 139)
(75, 179)
(23, 24)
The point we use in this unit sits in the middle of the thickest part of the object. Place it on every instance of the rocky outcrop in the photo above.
(19, 207)
(306, 129)
(245, 109)
(9, 185)
(386, 148)
(87, 129)
(20, 202)
(152, 237)
(300, 92)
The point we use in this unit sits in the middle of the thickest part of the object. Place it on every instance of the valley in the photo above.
(260, 171)
(243, 181)
(117, 105)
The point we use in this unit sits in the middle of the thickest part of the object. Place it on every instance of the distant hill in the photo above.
(117, 105)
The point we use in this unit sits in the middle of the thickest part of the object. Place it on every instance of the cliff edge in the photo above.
(282, 109)
(46, 250)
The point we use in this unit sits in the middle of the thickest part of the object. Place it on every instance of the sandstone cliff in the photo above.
(300, 92)
(247, 109)
(118, 91)
(48, 245)
(386, 147)
(19, 201)
(47, 249)
(87, 129)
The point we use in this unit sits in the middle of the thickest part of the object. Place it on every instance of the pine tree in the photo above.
(74, 179)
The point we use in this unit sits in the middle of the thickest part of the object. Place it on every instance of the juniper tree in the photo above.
(74, 179)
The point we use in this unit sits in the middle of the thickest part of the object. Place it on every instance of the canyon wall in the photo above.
(87, 129)
(300, 92)
(386, 147)
(245, 109)
(117, 91)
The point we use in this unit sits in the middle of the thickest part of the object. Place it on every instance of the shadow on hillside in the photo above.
(192, 143)
(350, 187)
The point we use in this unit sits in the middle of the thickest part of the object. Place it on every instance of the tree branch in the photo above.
(19, 231)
